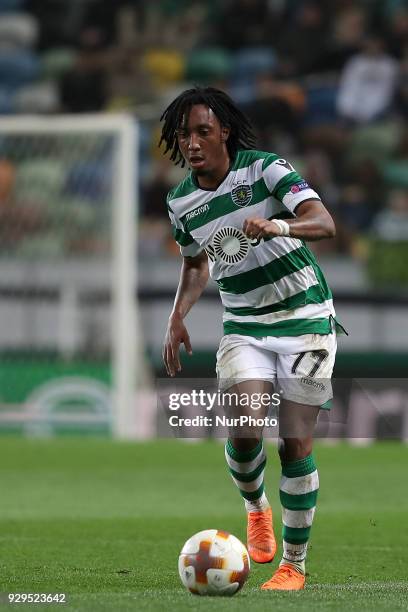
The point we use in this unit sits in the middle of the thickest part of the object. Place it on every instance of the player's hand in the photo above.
(256, 228)
(175, 335)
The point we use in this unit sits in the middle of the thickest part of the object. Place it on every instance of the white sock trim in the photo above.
(258, 505)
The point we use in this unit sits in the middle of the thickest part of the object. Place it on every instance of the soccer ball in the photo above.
(213, 562)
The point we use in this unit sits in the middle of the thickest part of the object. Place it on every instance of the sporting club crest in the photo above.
(242, 194)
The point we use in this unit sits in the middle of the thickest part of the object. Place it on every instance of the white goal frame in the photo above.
(126, 355)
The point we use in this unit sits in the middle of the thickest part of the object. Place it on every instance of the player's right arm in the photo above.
(193, 280)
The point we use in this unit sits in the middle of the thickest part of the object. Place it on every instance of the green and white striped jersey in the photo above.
(269, 287)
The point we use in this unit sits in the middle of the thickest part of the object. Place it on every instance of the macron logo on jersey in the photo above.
(198, 211)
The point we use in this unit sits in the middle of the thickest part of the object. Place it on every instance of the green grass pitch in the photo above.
(104, 521)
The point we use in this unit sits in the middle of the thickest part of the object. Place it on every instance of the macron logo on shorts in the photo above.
(313, 383)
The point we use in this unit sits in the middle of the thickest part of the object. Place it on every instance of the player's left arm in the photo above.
(313, 222)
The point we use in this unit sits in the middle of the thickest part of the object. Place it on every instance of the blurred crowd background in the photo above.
(325, 84)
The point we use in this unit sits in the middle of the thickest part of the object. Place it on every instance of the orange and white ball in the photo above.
(213, 562)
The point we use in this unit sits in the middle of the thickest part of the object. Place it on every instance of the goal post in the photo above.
(83, 174)
(124, 281)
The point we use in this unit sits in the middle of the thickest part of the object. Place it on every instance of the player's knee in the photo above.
(293, 449)
(244, 444)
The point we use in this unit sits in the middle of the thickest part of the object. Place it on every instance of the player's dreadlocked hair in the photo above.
(241, 132)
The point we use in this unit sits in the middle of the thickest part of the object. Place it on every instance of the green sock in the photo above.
(298, 494)
(247, 471)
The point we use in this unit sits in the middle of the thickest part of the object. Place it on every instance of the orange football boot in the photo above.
(260, 537)
(286, 578)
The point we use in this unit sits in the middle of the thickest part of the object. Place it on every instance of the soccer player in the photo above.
(242, 216)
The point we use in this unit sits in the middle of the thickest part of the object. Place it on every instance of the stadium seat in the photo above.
(247, 65)
(249, 62)
(208, 64)
(37, 98)
(18, 30)
(40, 182)
(166, 66)
(321, 105)
(18, 67)
(44, 245)
(396, 173)
(7, 101)
(377, 141)
(56, 61)
(11, 5)
(86, 180)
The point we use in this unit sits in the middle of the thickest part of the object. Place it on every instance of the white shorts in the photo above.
(300, 367)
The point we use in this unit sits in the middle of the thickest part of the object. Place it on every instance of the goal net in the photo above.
(72, 355)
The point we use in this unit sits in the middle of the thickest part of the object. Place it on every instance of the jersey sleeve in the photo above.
(188, 246)
(285, 184)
